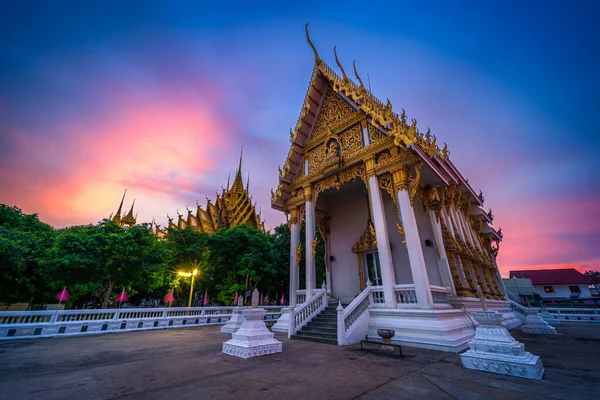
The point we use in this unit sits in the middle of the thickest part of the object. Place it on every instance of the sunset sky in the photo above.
(159, 97)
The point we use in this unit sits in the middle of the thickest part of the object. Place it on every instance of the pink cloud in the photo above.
(160, 147)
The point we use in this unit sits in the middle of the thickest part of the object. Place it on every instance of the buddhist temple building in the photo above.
(408, 244)
(124, 219)
(231, 208)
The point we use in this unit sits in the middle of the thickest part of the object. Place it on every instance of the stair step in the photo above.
(318, 324)
(325, 336)
(330, 331)
(314, 339)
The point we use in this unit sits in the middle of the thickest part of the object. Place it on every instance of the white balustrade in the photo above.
(378, 296)
(300, 296)
(353, 321)
(308, 310)
(440, 294)
(405, 295)
(28, 324)
(575, 314)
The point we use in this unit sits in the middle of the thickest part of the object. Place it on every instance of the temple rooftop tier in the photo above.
(231, 208)
(404, 229)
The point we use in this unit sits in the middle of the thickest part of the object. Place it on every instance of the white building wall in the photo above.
(562, 291)
(399, 252)
(429, 252)
(349, 214)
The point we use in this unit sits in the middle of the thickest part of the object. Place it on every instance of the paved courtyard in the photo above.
(188, 364)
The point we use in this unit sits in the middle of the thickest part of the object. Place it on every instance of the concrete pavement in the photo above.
(188, 363)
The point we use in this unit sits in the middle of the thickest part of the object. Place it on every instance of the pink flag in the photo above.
(169, 297)
(282, 299)
(589, 301)
(205, 297)
(260, 299)
(236, 299)
(122, 297)
(522, 300)
(553, 302)
(63, 295)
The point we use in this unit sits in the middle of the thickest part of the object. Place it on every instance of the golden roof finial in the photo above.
(339, 64)
(317, 58)
(117, 217)
(356, 73)
(248, 182)
(228, 177)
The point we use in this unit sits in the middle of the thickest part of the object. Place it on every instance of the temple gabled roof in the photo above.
(380, 115)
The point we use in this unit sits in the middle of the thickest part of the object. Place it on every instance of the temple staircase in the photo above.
(322, 328)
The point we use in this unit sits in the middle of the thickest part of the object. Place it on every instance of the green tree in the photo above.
(105, 258)
(241, 259)
(188, 251)
(24, 244)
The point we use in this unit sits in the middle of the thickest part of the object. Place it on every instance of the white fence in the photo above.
(31, 324)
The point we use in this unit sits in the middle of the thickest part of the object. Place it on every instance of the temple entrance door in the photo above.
(373, 268)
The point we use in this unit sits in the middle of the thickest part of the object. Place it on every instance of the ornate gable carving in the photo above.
(334, 111)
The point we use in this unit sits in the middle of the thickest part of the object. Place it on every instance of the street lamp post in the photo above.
(193, 275)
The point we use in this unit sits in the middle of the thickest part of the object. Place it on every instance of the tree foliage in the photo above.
(95, 262)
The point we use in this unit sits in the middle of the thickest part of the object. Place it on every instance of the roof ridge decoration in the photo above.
(378, 113)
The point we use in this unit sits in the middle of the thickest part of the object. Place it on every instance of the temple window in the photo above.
(574, 289)
(549, 289)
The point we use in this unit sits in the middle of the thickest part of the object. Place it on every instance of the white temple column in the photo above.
(328, 263)
(310, 236)
(443, 265)
(413, 240)
(294, 242)
(383, 240)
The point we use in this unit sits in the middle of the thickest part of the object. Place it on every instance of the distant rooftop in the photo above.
(552, 276)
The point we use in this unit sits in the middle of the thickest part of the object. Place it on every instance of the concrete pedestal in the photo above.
(535, 324)
(235, 322)
(252, 339)
(495, 350)
(283, 322)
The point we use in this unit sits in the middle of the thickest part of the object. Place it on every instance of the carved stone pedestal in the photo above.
(535, 324)
(252, 339)
(234, 323)
(494, 350)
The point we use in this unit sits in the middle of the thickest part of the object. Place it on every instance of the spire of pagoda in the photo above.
(238, 185)
(129, 219)
(117, 217)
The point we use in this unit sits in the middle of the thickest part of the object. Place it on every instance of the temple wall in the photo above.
(348, 212)
(429, 252)
(399, 252)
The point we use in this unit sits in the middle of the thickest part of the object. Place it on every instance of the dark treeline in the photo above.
(96, 262)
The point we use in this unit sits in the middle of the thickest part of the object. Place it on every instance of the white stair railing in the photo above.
(353, 321)
(308, 310)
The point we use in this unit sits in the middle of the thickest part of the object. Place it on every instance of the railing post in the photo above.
(369, 284)
(341, 328)
(54, 317)
(292, 323)
(117, 314)
(164, 313)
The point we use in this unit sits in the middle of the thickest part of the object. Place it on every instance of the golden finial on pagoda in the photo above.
(356, 74)
(228, 177)
(339, 64)
(117, 216)
(445, 152)
(317, 58)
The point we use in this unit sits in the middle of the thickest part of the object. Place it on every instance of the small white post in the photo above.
(369, 284)
(292, 323)
(341, 329)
